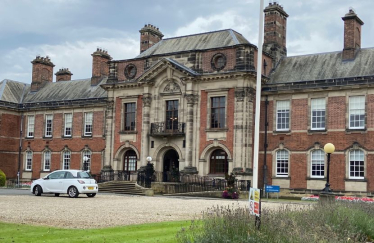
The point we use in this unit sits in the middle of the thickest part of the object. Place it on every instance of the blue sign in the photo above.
(270, 188)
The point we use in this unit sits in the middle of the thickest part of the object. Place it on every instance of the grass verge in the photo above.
(157, 232)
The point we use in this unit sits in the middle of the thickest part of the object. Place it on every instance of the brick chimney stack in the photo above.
(149, 36)
(63, 75)
(352, 35)
(275, 31)
(100, 67)
(42, 72)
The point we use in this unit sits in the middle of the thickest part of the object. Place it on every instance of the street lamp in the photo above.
(329, 149)
(149, 159)
(85, 160)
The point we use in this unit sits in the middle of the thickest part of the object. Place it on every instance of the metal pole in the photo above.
(258, 95)
(20, 150)
(327, 186)
(265, 168)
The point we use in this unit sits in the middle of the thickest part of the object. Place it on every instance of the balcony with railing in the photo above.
(167, 129)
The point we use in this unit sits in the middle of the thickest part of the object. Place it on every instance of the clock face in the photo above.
(130, 71)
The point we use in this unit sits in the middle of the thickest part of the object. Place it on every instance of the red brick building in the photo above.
(188, 102)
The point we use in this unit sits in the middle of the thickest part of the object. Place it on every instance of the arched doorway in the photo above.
(218, 162)
(129, 163)
(171, 165)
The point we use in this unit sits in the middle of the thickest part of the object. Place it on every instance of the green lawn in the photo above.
(157, 232)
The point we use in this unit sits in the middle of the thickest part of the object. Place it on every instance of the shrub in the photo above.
(339, 222)
(2, 178)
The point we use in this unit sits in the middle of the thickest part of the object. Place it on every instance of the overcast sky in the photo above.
(69, 31)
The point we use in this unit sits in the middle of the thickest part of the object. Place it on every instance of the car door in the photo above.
(69, 180)
(54, 182)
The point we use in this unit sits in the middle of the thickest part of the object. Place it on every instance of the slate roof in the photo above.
(323, 66)
(12, 91)
(17, 92)
(202, 41)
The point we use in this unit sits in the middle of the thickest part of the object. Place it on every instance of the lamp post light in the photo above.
(329, 149)
(85, 162)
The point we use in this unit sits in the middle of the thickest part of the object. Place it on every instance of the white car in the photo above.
(72, 182)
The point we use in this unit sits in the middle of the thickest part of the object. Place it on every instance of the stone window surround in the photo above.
(316, 147)
(347, 162)
(348, 111)
(211, 94)
(64, 122)
(84, 134)
(310, 129)
(28, 126)
(45, 125)
(66, 149)
(274, 162)
(129, 99)
(43, 159)
(275, 114)
(28, 150)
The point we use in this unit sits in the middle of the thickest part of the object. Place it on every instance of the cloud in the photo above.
(73, 55)
(226, 20)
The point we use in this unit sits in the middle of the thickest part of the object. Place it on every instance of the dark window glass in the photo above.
(218, 162)
(218, 116)
(129, 116)
(172, 114)
(129, 161)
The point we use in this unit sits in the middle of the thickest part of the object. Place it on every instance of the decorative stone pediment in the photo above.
(172, 87)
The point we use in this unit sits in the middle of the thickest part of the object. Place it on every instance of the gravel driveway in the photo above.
(104, 210)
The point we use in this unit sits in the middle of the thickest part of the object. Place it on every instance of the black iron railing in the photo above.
(167, 129)
(112, 175)
(192, 183)
(196, 183)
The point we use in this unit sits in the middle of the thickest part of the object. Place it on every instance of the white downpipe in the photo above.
(258, 96)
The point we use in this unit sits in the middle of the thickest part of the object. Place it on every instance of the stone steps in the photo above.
(120, 187)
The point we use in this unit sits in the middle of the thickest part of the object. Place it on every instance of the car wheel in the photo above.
(38, 190)
(91, 194)
(57, 194)
(73, 192)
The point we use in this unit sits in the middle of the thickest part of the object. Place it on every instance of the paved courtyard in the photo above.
(105, 209)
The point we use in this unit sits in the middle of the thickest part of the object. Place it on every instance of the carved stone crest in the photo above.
(147, 99)
(239, 95)
(191, 98)
(172, 87)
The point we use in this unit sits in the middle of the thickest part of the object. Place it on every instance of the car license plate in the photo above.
(90, 188)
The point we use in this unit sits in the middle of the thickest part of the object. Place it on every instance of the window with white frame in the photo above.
(356, 164)
(283, 115)
(47, 161)
(66, 160)
(282, 163)
(48, 125)
(357, 112)
(28, 160)
(86, 160)
(88, 123)
(68, 124)
(30, 126)
(318, 164)
(318, 114)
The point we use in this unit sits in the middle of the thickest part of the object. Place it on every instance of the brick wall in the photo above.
(57, 143)
(229, 121)
(139, 64)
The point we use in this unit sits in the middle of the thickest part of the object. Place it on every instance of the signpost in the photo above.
(254, 201)
(272, 189)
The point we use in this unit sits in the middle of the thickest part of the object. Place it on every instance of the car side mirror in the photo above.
(45, 178)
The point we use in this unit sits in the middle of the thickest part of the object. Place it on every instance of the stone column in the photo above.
(189, 128)
(239, 130)
(147, 100)
(108, 136)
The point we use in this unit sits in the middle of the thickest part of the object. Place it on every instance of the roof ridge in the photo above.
(204, 33)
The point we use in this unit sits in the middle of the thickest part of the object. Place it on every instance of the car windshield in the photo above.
(84, 174)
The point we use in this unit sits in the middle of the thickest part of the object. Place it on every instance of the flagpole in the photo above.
(258, 96)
